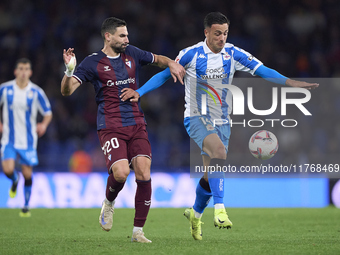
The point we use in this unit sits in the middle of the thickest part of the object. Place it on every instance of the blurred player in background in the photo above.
(207, 63)
(21, 100)
(121, 125)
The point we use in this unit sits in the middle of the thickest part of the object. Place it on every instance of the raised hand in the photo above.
(70, 61)
(67, 55)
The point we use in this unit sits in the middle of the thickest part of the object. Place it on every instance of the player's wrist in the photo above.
(171, 64)
(289, 82)
(70, 66)
(140, 93)
(69, 73)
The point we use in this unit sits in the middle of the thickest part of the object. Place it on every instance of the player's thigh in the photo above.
(114, 147)
(199, 128)
(8, 156)
(27, 171)
(213, 141)
(139, 144)
(8, 166)
(139, 153)
(141, 166)
(214, 147)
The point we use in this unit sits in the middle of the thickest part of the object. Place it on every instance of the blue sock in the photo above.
(216, 181)
(203, 195)
(27, 191)
(13, 177)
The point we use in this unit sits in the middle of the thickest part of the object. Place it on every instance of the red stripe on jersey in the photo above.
(110, 94)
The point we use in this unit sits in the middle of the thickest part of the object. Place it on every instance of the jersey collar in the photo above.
(113, 57)
(25, 88)
(208, 51)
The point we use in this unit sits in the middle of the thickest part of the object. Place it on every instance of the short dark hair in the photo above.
(215, 18)
(22, 61)
(110, 25)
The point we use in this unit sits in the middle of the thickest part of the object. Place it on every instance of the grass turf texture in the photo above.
(255, 231)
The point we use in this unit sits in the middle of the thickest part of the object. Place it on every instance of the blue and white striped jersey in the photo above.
(19, 114)
(205, 70)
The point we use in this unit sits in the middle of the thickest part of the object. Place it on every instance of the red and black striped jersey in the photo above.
(109, 76)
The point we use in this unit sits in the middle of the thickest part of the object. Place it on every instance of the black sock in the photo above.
(204, 184)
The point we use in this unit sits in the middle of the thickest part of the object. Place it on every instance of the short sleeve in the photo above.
(245, 62)
(84, 71)
(144, 57)
(185, 56)
(44, 103)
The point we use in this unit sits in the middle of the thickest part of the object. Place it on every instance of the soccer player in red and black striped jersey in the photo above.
(121, 125)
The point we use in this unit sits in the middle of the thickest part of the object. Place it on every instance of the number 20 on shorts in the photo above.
(107, 146)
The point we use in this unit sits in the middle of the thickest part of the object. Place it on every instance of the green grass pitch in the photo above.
(255, 231)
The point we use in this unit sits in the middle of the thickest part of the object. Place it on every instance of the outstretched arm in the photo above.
(274, 76)
(69, 84)
(155, 82)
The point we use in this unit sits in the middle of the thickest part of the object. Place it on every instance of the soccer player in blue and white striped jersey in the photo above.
(213, 61)
(21, 100)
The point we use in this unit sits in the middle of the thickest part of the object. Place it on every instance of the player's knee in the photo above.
(219, 152)
(143, 176)
(8, 171)
(27, 175)
(121, 176)
(27, 172)
(8, 167)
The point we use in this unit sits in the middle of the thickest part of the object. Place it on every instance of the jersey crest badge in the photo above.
(30, 94)
(128, 63)
(226, 56)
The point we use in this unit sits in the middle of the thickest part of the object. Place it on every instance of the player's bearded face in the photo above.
(119, 40)
(119, 47)
(216, 36)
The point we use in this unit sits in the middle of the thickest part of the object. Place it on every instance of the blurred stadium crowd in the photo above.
(298, 38)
